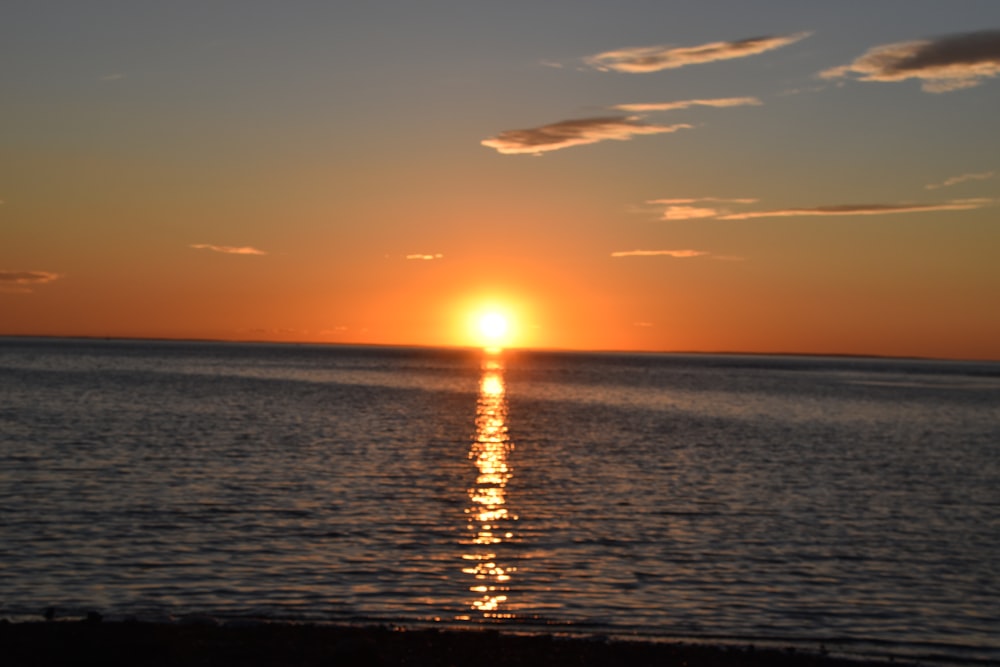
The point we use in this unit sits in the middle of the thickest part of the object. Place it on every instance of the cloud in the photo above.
(578, 132)
(694, 209)
(228, 249)
(425, 257)
(685, 104)
(27, 277)
(860, 209)
(944, 64)
(955, 180)
(643, 59)
(689, 212)
(20, 282)
(681, 209)
(692, 200)
(679, 254)
(116, 76)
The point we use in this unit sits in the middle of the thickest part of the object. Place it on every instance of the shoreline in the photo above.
(265, 643)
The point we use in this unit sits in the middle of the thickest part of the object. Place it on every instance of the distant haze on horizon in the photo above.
(711, 176)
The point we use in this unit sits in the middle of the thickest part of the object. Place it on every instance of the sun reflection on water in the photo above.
(490, 523)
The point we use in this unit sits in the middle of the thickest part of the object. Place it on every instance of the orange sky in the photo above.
(619, 177)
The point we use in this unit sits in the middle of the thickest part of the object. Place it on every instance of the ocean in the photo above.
(845, 503)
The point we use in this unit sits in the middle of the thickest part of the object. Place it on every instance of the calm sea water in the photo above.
(847, 502)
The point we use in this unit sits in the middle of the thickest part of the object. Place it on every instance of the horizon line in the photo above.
(729, 353)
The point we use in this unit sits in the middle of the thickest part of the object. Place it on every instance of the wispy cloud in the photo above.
(860, 209)
(676, 254)
(692, 200)
(14, 282)
(944, 64)
(679, 254)
(641, 59)
(955, 180)
(228, 249)
(714, 208)
(689, 212)
(685, 104)
(578, 132)
(115, 76)
(425, 257)
(27, 277)
(683, 209)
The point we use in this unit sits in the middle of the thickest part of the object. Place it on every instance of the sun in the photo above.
(493, 326)
(493, 322)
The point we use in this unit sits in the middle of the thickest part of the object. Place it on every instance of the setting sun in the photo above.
(493, 326)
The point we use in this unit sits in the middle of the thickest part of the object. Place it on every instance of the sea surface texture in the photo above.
(850, 503)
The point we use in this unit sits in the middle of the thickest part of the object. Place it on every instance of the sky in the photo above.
(772, 176)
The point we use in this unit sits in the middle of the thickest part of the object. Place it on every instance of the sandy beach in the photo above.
(266, 644)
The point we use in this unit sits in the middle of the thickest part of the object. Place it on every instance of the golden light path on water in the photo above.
(490, 523)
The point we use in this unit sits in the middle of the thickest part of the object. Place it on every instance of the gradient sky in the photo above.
(714, 175)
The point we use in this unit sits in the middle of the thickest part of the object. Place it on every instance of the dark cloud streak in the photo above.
(859, 209)
(577, 132)
(643, 59)
(944, 64)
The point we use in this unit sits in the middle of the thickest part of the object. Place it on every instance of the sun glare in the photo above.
(493, 322)
(493, 326)
(492, 329)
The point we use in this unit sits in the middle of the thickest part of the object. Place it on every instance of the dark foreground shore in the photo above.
(167, 645)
